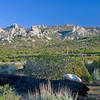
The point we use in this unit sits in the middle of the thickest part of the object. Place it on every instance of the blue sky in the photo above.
(49, 12)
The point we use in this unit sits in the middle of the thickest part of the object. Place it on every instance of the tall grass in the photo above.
(46, 93)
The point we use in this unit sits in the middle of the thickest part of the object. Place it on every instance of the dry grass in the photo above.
(46, 93)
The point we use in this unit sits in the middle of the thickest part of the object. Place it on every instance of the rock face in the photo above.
(1, 30)
(15, 26)
(79, 30)
(34, 31)
(66, 32)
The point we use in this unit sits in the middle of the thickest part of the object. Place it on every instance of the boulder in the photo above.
(72, 77)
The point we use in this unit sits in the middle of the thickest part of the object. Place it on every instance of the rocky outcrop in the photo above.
(79, 30)
(1, 30)
(66, 32)
(15, 26)
(34, 31)
(42, 26)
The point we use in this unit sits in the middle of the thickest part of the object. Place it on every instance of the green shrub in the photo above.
(78, 68)
(94, 69)
(8, 69)
(96, 74)
(29, 67)
(8, 94)
(4, 59)
(55, 67)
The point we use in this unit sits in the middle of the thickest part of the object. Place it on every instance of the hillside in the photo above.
(49, 52)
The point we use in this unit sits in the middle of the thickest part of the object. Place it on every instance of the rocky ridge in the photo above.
(44, 32)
